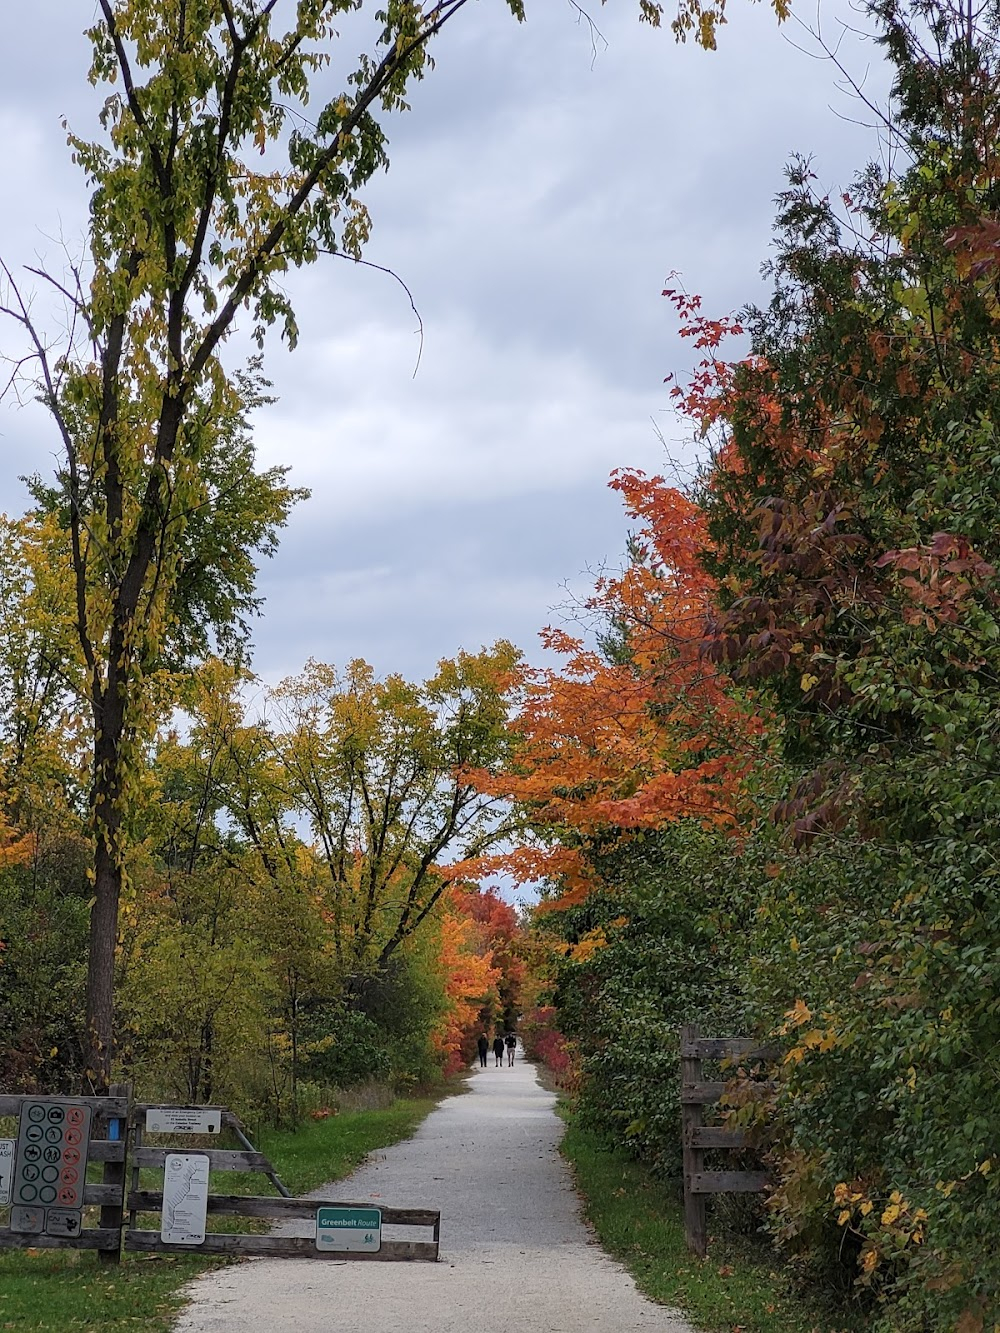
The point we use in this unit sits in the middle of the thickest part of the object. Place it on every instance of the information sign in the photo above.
(50, 1163)
(6, 1169)
(350, 1229)
(63, 1222)
(185, 1198)
(29, 1221)
(183, 1120)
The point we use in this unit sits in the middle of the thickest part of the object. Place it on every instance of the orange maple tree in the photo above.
(630, 739)
(470, 976)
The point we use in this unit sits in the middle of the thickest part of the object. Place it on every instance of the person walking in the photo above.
(510, 1041)
(497, 1051)
(483, 1046)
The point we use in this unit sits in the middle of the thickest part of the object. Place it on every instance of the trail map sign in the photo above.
(6, 1169)
(185, 1198)
(50, 1168)
(357, 1229)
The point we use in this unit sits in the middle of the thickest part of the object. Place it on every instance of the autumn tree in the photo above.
(385, 773)
(496, 931)
(620, 740)
(471, 979)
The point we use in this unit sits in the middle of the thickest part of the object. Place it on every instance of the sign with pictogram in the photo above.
(50, 1167)
(6, 1169)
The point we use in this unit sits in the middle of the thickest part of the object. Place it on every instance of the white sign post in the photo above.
(6, 1169)
(185, 1199)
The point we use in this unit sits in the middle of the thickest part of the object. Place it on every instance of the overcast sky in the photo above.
(541, 189)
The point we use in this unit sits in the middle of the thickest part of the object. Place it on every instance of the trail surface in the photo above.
(515, 1255)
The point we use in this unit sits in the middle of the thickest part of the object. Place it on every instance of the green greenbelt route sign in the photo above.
(356, 1229)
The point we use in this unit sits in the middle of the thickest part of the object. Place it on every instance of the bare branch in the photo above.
(381, 268)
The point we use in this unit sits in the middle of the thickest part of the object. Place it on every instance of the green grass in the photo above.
(324, 1150)
(69, 1290)
(640, 1221)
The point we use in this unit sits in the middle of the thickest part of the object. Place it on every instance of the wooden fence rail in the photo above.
(695, 1094)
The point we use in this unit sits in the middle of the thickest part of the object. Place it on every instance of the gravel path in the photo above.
(515, 1255)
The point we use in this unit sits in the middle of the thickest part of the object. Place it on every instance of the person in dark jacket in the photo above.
(510, 1041)
(483, 1046)
(497, 1051)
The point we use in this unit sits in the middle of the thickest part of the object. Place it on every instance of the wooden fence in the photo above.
(53, 1204)
(282, 1208)
(697, 1093)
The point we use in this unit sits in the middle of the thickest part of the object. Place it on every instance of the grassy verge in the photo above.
(62, 1290)
(640, 1221)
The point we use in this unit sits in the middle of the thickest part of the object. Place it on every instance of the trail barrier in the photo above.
(184, 1203)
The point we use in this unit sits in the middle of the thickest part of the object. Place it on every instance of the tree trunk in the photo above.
(109, 720)
(101, 966)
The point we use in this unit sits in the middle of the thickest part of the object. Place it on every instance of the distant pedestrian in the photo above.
(497, 1051)
(483, 1046)
(510, 1041)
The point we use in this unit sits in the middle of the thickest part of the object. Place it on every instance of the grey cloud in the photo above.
(536, 201)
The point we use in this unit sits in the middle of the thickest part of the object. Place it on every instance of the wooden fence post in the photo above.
(695, 1219)
(112, 1215)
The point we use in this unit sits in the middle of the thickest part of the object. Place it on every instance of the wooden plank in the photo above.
(280, 1247)
(730, 1182)
(256, 1205)
(102, 1106)
(220, 1159)
(701, 1094)
(106, 1150)
(714, 1136)
(103, 1196)
(724, 1048)
(707, 1094)
(90, 1238)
